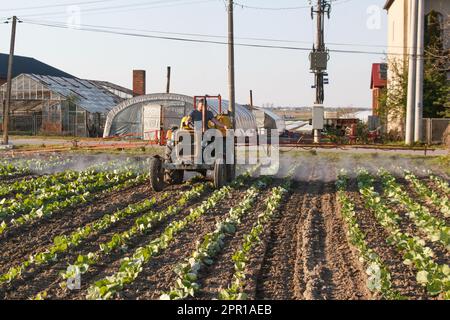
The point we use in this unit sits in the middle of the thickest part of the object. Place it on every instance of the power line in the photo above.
(244, 6)
(122, 7)
(202, 35)
(251, 45)
(55, 5)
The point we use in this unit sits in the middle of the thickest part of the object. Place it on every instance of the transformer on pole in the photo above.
(319, 60)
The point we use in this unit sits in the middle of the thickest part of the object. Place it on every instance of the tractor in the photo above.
(165, 171)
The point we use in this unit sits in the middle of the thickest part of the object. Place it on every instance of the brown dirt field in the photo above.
(304, 253)
(46, 277)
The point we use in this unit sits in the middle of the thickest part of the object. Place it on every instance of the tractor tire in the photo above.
(156, 174)
(220, 174)
(172, 176)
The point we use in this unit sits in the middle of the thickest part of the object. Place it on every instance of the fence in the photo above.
(434, 129)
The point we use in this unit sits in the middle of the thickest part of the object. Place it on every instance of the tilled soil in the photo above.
(46, 277)
(308, 256)
(304, 254)
(219, 275)
(158, 275)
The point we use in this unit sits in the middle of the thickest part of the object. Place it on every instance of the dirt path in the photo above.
(308, 256)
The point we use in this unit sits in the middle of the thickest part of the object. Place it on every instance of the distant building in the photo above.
(28, 65)
(378, 82)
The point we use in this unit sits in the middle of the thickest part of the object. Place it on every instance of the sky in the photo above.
(278, 77)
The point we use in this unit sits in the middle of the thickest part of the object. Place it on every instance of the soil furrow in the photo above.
(218, 276)
(158, 275)
(18, 244)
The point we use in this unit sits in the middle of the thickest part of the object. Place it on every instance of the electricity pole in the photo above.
(231, 81)
(319, 59)
(8, 85)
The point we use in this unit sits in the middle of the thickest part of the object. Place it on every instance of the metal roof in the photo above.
(29, 65)
(90, 96)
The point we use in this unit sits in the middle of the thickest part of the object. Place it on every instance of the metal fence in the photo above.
(434, 129)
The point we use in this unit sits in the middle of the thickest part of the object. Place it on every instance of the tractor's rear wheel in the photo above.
(156, 174)
(220, 174)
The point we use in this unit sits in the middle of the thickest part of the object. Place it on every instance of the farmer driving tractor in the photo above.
(165, 170)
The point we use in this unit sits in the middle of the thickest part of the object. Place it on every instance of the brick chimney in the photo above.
(138, 83)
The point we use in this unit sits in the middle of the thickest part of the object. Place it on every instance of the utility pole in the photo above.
(231, 81)
(9, 80)
(168, 79)
(410, 107)
(418, 125)
(319, 60)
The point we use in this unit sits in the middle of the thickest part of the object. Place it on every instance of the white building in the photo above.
(399, 14)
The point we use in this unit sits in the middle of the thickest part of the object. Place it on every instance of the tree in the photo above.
(436, 87)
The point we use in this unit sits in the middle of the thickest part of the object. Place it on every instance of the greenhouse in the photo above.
(58, 105)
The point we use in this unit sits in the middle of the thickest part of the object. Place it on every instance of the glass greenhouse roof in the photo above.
(29, 89)
(88, 95)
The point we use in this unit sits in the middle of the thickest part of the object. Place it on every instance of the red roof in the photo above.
(379, 76)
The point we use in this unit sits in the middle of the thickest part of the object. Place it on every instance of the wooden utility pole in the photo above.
(168, 79)
(231, 81)
(8, 85)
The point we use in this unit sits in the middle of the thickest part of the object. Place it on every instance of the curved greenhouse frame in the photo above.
(138, 116)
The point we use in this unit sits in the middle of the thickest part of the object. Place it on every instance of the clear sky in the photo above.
(276, 76)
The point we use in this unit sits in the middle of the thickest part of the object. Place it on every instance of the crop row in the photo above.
(434, 228)
(211, 244)
(441, 202)
(140, 226)
(434, 277)
(62, 243)
(241, 257)
(80, 191)
(132, 266)
(379, 276)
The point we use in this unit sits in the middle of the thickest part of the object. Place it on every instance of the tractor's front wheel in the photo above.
(156, 174)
